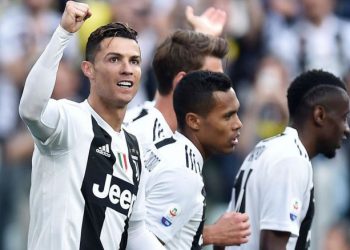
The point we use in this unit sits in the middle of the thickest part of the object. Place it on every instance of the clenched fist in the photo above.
(74, 16)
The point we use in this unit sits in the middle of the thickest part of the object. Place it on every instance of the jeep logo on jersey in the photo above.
(115, 193)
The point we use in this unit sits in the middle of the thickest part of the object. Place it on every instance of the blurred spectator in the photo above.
(25, 30)
(343, 8)
(25, 27)
(318, 39)
(338, 236)
(280, 16)
(331, 176)
(9, 97)
(243, 30)
(266, 112)
(102, 15)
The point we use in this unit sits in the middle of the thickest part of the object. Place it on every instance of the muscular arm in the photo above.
(273, 240)
(231, 229)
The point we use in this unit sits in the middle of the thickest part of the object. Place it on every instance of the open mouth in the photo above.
(235, 139)
(125, 84)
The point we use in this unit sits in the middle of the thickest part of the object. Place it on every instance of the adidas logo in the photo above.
(104, 150)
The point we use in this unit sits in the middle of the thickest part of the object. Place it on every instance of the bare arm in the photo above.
(230, 229)
(273, 240)
(41, 79)
(211, 22)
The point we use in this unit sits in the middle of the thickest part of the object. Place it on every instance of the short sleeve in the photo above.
(171, 200)
(284, 188)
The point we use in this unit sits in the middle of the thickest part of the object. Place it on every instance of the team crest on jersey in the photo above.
(294, 209)
(170, 214)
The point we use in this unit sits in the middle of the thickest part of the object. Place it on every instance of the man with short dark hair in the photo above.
(86, 168)
(275, 183)
(206, 109)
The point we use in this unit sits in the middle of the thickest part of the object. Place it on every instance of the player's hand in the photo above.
(230, 229)
(211, 22)
(74, 16)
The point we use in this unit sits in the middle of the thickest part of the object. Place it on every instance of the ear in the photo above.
(193, 121)
(178, 78)
(88, 69)
(319, 115)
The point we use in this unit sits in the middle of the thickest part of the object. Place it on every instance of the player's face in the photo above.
(337, 124)
(219, 130)
(213, 64)
(116, 71)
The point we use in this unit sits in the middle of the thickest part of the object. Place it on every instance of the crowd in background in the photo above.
(271, 41)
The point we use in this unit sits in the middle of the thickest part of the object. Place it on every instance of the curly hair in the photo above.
(309, 89)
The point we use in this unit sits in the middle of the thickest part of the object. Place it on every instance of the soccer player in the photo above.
(182, 52)
(206, 109)
(86, 169)
(274, 185)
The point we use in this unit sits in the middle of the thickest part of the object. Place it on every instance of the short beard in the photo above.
(330, 154)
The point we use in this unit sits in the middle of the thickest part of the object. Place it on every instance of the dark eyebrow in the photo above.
(114, 54)
(136, 57)
(121, 55)
(233, 111)
(230, 113)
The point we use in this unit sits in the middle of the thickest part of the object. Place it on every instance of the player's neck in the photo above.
(165, 105)
(111, 115)
(306, 138)
(187, 132)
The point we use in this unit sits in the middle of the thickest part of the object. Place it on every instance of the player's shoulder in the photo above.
(168, 151)
(69, 104)
(160, 152)
(148, 124)
(174, 154)
(138, 112)
(178, 148)
(167, 147)
(284, 145)
(142, 120)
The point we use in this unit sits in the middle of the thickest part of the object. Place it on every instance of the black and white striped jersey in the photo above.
(175, 197)
(275, 187)
(85, 175)
(84, 183)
